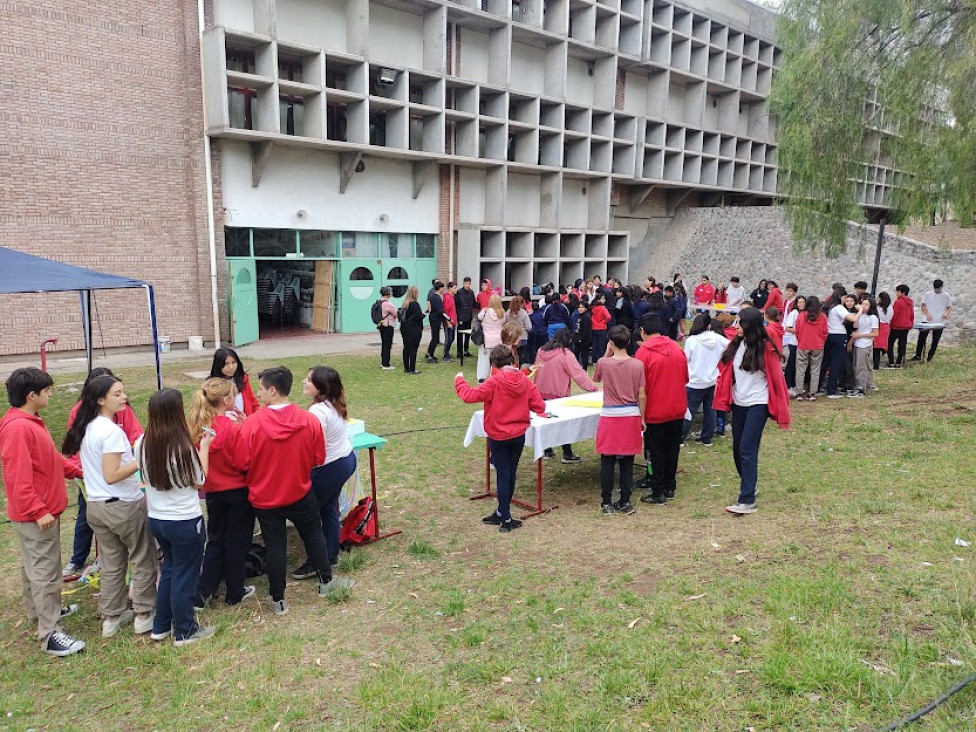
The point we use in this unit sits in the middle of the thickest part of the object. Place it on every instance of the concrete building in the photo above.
(361, 143)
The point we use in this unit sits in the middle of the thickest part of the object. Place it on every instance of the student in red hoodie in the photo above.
(775, 298)
(33, 478)
(509, 396)
(902, 320)
(277, 449)
(811, 336)
(483, 297)
(704, 295)
(751, 384)
(665, 379)
(601, 321)
(230, 516)
(774, 328)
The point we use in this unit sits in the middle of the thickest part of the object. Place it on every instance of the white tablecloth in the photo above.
(570, 425)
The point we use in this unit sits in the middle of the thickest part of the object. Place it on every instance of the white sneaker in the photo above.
(110, 626)
(161, 636)
(741, 509)
(249, 591)
(70, 570)
(202, 631)
(278, 607)
(141, 626)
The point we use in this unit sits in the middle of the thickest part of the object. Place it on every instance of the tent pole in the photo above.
(155, 335)
(85, 297)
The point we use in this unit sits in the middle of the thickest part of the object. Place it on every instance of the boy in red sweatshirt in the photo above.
(276, 450)
(33, 478)
(902, 320)
(665, 378)
(509, 397)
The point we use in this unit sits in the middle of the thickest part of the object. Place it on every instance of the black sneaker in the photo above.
(447, 359)
(644, 484)
(492, 519)
(571, 459)
(306, 571)
(626, 508)
(61, 644)
(68, 610)
(606, 509)
(548, 454)
(510, 525)
(652, 498)
(432, 359)
(856, 394)
(669, 494)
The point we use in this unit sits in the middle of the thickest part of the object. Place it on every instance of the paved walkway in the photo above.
(357, 344)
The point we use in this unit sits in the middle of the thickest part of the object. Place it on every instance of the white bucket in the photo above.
(195, 343)
(164, 342)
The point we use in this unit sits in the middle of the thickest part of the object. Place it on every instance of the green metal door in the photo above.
(242, 296)
(359, 287)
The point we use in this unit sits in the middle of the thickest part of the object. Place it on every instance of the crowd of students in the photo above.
(251, 457)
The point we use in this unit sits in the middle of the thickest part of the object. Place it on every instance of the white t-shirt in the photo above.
(335, 430)
(102, 437)
(750, 387)
(734, 295)
(885, 316)
(179, 503)
(865, 325)
(936, 303)
(836, 319)
(789, 339)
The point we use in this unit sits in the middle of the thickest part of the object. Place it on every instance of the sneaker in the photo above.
(625, 508)
(415, 372)
(644, 484)
(835, 396)
(548, 454)
(200, 603)
(202, 631)
(493, 519)
(69, 610)
(653, 498)
(249, 592)
(510, 525)
(61, 644)
(669, 494)
(143, 625)
(799, 397)
(874, 388)
(719, 433)
(278, 607)
(431, 359)
(447, 359)
(388, 368)
(110, 626)
(856, 395)
(306, 571)
(891, 366)
(741, 509)
(571, 459)
(812, 398)
(606, 509)
(334, 585)
(161, 636)
(915, 359)
(71, 570)
(703, 444)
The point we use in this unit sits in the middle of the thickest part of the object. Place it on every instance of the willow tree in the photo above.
(869, 80)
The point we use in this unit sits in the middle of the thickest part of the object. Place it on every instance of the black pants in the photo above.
(584, 354)
(83, 534)
(662, 445)
(463, 339)
(411, 344)
(836, 357)
(386, 347)
(599, 347)
(877, 357)
(923, 336)
(304, 513)
(435, 337)
(791, 367)
(897, 337)
(230, 529)
(505, 456)
(607, 463)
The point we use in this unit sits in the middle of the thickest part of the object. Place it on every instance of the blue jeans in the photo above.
(448, 340)
(83, 534)
(182, 544)
(700, 398)
(747, 429)
(327, 482)
(836, 360)
(505, 456)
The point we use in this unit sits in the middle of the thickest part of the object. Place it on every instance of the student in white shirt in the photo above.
(835, 352)
(796, 306)
(735, 294)
(863, 345)
(173, 471)
(936, 306)
(116, 506)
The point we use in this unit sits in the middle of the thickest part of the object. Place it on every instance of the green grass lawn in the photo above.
(842, 604)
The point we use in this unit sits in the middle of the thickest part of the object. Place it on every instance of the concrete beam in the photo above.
(347, 166)
(422, 170)
(675, 197)
(639, 194)
(260, 155)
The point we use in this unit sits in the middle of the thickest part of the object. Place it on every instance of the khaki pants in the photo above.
(40, 574)
(863, 368)
(122, 531)
(813, 359)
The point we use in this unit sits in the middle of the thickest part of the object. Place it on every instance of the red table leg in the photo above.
(536, 510)
(376, 505)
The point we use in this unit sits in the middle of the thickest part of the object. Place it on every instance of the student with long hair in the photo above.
(492, 319)
(411, 318)
(902, 320)
(227, 365)
(517, 314)
(324, 386)
(799, 306)
(601, 321)
(556, 370)
(127, 420)
(884, 327)
(703, 349)
(173, 471)
(863, 344)
(230, 516)
(751, 384)
(116, 506)
(811, 336)
(435, 311)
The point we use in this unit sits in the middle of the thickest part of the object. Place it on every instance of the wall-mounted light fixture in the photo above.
(387, 76)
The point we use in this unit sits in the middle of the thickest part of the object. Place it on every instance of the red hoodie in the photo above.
(124, 418)
(902, 313)
(33, 469)
(601, 317)
(775, 299)
(704, 294)
(811, 336)
(775, 332)
(779, 398)
(483, 296)
(223, 474)
(556, 372)
(509, 397)
(277, 449)
(251, 403)
(665, 378)
(450, 309)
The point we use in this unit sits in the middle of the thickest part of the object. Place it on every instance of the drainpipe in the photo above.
(211, 235)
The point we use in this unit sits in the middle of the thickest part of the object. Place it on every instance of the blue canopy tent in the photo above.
(22, 273)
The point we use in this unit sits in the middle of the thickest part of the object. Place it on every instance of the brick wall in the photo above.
(101, 164)
(446, 244)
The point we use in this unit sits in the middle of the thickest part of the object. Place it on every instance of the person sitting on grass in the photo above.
(508, 396)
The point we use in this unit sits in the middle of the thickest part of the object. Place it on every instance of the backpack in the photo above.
(359, 526)
(254, 562)
(376, 312)
(401, 315)
(477, 333)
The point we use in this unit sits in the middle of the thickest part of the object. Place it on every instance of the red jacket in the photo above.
(251, 403)
(721, 296)
(811, 336)
(775, 332)
(902, 313)
(277, 449)
(450, 309)
(124, 418)
(222, 473)
(601, 317)
(704, 294)
(33, 469)
(509, 397)
(779, 398)
(483, 297)
(665, 378)
(775, 299)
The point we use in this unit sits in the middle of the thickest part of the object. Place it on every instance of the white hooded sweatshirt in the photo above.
(704, 351)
